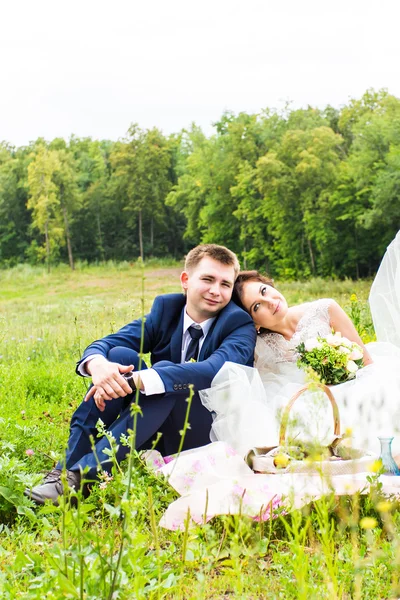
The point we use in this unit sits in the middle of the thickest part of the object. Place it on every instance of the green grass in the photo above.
(46, 320)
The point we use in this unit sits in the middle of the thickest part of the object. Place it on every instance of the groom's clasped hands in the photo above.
(108, 382)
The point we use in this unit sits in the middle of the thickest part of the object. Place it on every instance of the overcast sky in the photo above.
(91, 68)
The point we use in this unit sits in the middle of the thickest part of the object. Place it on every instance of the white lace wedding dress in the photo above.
(247, 404)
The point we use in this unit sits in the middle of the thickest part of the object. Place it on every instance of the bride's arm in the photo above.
(340, 321)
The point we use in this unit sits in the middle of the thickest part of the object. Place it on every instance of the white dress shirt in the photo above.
(152, 382)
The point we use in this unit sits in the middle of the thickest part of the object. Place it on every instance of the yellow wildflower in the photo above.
(368, 523)
(375, 466)
(384, 506)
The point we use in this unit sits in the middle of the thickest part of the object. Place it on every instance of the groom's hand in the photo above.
(108, 382)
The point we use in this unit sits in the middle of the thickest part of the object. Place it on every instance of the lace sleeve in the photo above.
(322, 308)
(271, 348)
(263, 352)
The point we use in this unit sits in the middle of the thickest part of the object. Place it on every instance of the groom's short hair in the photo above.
(218, 253)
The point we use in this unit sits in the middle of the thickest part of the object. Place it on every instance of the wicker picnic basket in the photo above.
(350, 461)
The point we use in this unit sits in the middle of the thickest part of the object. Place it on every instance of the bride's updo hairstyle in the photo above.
(244, 277)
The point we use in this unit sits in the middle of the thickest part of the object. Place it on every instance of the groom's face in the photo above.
(208, 288)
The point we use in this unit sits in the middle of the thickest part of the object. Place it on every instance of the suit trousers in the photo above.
(164, 413)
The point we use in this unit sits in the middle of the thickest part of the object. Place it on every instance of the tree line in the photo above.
(297, 193)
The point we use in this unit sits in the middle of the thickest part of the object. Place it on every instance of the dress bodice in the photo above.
(272, 348)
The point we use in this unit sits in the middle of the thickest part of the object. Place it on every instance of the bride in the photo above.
(247, 403)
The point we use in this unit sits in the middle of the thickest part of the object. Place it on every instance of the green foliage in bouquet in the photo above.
(334, 359)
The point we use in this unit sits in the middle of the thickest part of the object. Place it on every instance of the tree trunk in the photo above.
(141, 235)
(67, 235)
(311, 256)
(152, 233)
(101, 247)
(46, 235)
(243, 236)
(357, 265)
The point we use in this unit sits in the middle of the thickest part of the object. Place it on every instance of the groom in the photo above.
(190, 336)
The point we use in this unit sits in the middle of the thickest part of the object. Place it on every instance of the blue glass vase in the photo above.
(388, 463)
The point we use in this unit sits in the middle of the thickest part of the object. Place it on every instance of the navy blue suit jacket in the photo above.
(231, 338)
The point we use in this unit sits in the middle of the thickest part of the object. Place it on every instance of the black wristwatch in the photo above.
(129, 378)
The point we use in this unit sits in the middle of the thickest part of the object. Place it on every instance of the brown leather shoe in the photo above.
(51, 487)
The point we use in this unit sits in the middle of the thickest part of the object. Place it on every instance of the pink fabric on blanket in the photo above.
(214, 480)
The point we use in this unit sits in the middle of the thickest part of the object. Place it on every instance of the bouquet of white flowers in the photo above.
(334, 359)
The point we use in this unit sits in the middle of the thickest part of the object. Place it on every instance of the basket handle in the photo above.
(286, 410)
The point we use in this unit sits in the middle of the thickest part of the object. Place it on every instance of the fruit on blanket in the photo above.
(281, 460)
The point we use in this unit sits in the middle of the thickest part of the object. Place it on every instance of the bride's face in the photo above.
(264, 304)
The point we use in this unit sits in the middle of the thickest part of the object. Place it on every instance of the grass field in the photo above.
(111, 546)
